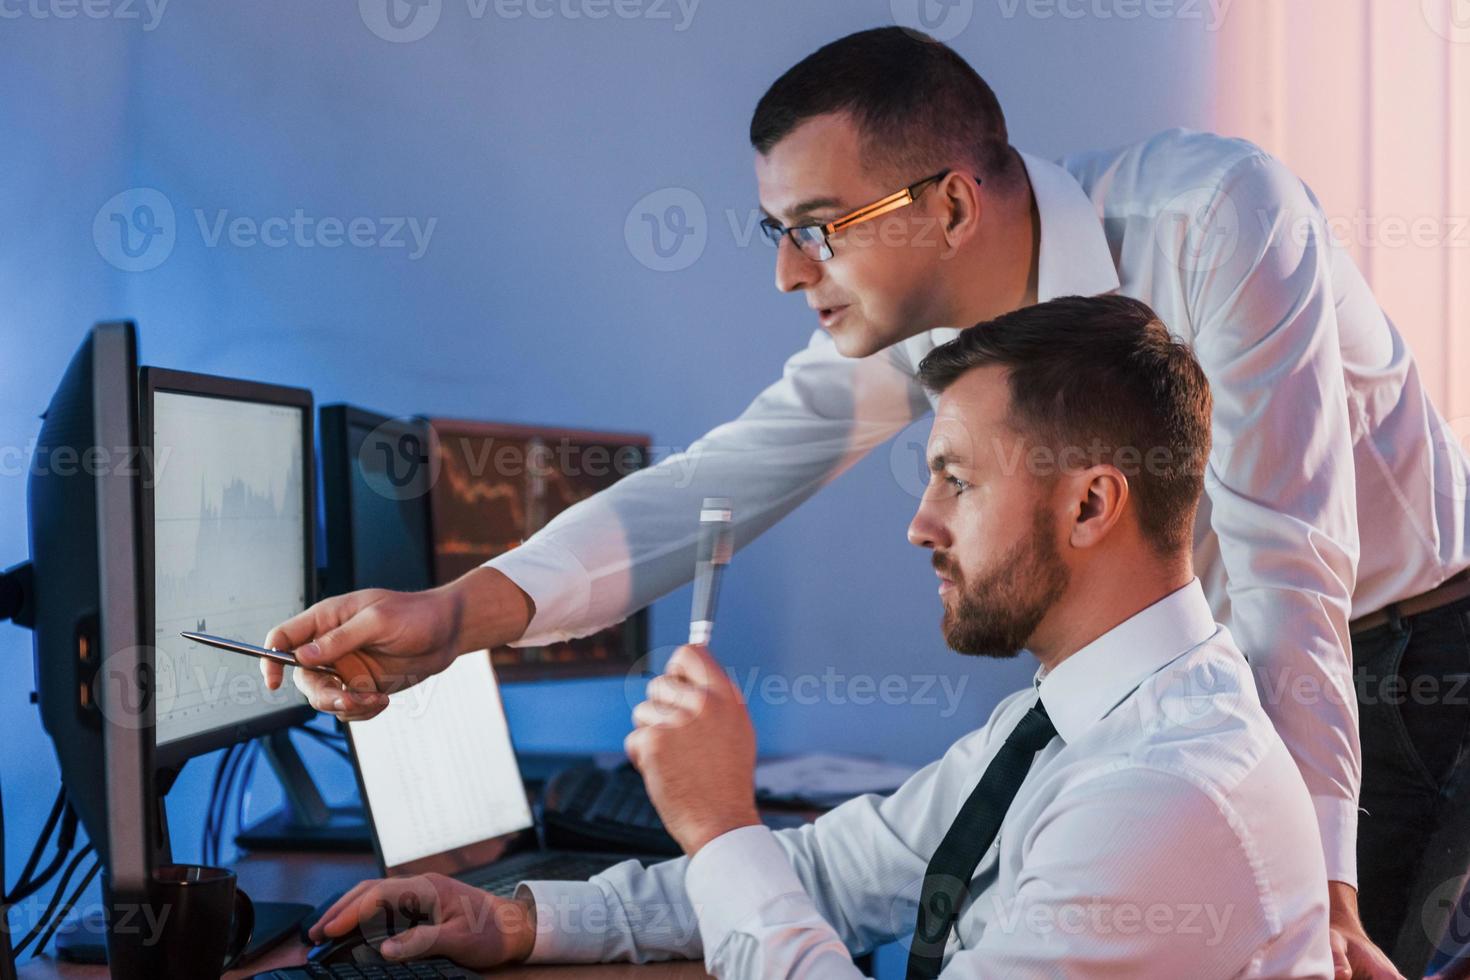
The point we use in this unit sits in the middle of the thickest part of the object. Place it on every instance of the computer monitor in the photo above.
(497, 484)
(375, 484)
(92, 660)
(228, 507)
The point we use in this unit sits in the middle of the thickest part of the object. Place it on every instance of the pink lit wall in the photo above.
(1369, 100)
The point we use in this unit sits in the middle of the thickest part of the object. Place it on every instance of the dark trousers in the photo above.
(1413, 684)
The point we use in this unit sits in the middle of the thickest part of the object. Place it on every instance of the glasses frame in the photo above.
(820, 234)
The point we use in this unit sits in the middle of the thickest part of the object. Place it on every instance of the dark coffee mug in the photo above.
(209, 920)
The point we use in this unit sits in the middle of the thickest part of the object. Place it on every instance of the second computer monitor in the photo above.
(375, 482)
(494, 486)
(228, 521)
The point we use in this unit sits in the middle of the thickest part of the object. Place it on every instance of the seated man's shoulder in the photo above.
(1189, 767)
(1202, 715)
(1199, 718)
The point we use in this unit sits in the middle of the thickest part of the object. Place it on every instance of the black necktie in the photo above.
(947, 879)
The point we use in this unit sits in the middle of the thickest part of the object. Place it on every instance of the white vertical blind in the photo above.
(1369, 101)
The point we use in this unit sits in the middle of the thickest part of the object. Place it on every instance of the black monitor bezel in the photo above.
(154, 380)
(335, 424)
(126, 625)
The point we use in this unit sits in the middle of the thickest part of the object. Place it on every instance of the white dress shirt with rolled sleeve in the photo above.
(1333, 489)
(1165, 832)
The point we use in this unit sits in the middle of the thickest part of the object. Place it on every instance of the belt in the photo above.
(1454, 588)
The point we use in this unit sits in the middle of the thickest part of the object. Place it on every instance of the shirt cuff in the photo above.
(556, 582)
(1337, 819)
(571, 921)
(733, 878)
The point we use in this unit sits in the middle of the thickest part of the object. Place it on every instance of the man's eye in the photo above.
(960, 486)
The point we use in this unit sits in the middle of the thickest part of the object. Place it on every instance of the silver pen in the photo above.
(716, 543)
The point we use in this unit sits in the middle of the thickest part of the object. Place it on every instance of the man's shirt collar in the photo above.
(1074, 257)
(1082, 689)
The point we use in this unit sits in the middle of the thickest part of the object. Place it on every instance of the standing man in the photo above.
(1335, 511)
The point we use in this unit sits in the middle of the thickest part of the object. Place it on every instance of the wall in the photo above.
(1369, 100)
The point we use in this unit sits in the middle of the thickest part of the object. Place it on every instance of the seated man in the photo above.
(1131, 814)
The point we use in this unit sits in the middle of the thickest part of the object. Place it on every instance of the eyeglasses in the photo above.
(815, 240)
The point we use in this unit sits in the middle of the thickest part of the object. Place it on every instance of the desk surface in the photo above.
(311, 877)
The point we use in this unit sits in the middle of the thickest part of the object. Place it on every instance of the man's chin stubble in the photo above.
(971, 646)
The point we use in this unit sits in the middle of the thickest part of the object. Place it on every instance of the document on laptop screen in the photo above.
(438, 767)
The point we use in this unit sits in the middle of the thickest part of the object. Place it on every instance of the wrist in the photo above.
(487, 610)
(523, 934)
(701, 835)
(1342, 900)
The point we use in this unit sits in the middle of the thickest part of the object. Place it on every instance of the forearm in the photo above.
(1304, 679)
(627, 913)
(755, 917)
(489, 609)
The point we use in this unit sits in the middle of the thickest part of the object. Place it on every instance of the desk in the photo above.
(310, 878)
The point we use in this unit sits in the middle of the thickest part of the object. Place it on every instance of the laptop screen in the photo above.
(438, 772)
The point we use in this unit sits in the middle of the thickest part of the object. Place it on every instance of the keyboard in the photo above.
(502, 877)
(587, 807)
(435, 969)
(615, 796)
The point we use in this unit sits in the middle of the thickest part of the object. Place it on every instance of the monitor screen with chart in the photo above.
(497, 484)
(228, 523)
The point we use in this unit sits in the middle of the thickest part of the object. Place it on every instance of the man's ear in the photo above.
(963, 207)
(1100, 496)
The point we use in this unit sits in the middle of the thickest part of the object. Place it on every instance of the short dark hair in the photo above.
(919, 105)
(1101, 374)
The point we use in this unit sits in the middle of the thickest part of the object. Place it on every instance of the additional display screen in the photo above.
(438, 769)
(229, 547)
(390, 517)
(495, 486)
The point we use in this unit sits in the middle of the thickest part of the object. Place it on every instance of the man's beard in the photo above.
(997, 614)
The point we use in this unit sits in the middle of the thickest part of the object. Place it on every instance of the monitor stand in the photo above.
(306, 822)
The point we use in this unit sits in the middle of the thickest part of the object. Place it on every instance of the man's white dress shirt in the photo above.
(1165, 832)
(1320, 417)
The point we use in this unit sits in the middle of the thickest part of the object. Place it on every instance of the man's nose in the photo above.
(925, 531)
(794, 268)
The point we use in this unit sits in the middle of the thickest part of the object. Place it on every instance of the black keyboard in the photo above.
(436, 969)
(587, 807)
(613, 796)
(502, 877)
